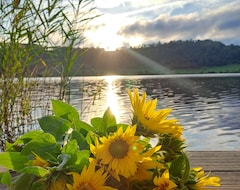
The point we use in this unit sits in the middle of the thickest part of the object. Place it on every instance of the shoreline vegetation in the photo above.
(234, 68)
(175, 57)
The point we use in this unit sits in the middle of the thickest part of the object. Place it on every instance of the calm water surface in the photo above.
(207, 106)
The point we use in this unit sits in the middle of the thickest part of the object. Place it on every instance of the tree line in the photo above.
(156, 58)
(153, 58)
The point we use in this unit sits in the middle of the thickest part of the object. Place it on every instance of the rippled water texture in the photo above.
(206, 105)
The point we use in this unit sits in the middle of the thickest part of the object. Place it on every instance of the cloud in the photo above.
(109, 4)
(230, 20)
(151, 21)
(230, 24)
(220, 23)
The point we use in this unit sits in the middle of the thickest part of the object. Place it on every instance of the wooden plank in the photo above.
(216, 160)
(224, 164)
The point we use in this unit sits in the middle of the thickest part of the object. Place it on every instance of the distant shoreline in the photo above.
(101, 77)
(232, 68)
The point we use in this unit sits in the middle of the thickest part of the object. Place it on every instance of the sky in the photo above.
(132, 23)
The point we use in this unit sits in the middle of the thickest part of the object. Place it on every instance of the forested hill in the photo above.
(154, 59)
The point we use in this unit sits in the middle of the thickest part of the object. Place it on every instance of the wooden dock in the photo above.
(224, 164)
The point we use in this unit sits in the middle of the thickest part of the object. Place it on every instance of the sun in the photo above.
(112, 41)
(108, 39)
(106, 34)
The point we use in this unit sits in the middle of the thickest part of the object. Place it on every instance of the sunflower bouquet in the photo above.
(68, 153)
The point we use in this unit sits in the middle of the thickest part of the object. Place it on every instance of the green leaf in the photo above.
(82, 159)
(22, 182)
(96, 123)
(13, 160)
(90, 137)
(55, 125)
(81, 140)
(105, 124)
(35, 170)
(112, 129)
(43, 145)
(83, 127)
(24, 139)
(109, 119)
(186, 172)
(64, 110)
(5, 178)
(71, 147)
(176, 166)
(39, 184)
(30, 135)
(180, 167)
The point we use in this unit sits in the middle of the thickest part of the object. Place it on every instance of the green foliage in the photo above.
(65, 144)
(13, 160)
(58, 143)
(28, 30)
(229, 68)
(35, 170)
(5, 178)
(65, 111)
(41, 145)
(55, 125)
(171, 146)
(104, 125)
(180, 167)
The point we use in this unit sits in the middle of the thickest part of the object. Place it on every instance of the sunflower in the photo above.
(120, 151)
(145, 170)
(204, 180)
(147, 165)
(58, 183)
(163, 182)
(89, 179)
(38, 161)
(146, 116)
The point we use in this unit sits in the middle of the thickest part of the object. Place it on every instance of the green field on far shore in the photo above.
(235, 68)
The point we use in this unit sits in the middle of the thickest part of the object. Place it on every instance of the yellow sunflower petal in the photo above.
(151, 119)
(203, 180)
(164, 182)
(119, 150)
(90, 178)
(38, 161)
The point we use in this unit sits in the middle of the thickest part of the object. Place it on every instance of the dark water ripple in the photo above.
(207, 106)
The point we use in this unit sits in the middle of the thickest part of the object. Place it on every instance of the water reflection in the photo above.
(207, 107)
(111, 96)
(93, 95)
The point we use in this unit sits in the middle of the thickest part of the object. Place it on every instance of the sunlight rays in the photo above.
(160, 69)
(155, 66)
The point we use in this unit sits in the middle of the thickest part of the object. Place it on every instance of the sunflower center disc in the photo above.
(85, 186)
(118, 149)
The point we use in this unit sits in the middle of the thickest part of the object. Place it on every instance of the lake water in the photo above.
(206, 105)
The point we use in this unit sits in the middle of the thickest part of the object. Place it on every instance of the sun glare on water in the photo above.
(112, 99)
